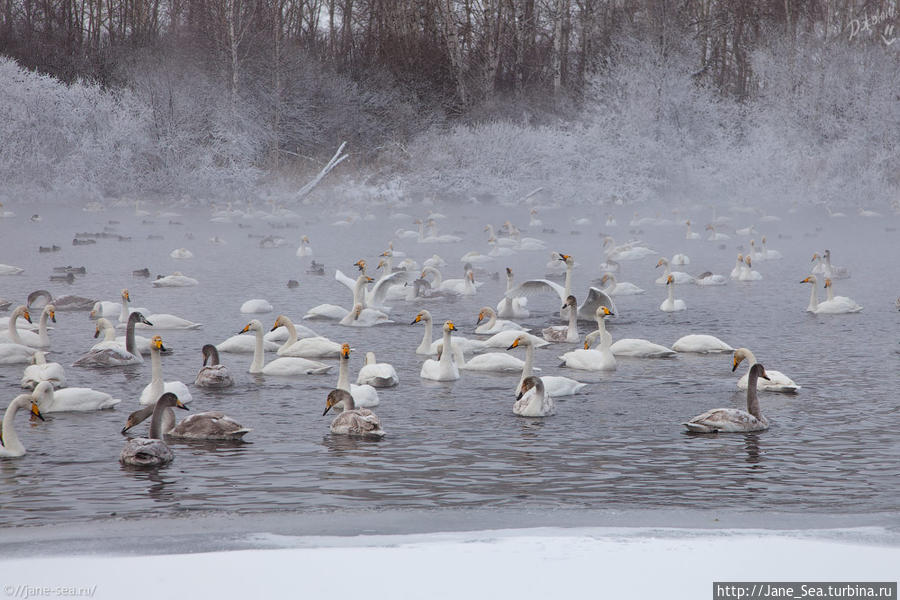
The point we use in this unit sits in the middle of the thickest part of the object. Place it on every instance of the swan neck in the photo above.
(13, 330)
(10, 438)
(427, 338)
(671, 293)
(109, 333)
(529, 365)
(572, 330)
(446, 359)
(129, 336)
(830, 291)
(814, 296)
(568, 286)
(292, 330)
(156, 380)
(344, 375)
(157, 422)
(123, 315)
(492, 321)
(213, 356)
(358, 296)
(752, 400)
(258, 357)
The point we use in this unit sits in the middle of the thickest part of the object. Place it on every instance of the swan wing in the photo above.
(350, 283)
(381, 287)
(595, 299)
(537, 286)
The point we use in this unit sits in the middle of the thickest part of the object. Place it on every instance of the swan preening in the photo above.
(152, 451)
(213, 375)
(10, 445)
(377, 374)
(700, 344)
(74, 399)
(354, 421)
(41, 370)
(733, 419)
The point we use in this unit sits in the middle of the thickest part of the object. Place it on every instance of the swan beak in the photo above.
(480, 318)
(451, 326)
(126, 428)
(737, 361)
(276, 325)
(53, 316)
(586, 346)
(327, 408)
(416, 320)
(180, 404)
(37, 412)
(563, 257)
(97, 332)
(515, 344)
(245, 329)
(27, 316)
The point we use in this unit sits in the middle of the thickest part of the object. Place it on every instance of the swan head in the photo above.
(529, 383)
(389, 252)
(449, 326)
(827, 254)
(485, 313)
(278, 323)
(811, 279)
(470, 275)
(125, 296)
(208, 351)
(827, 282)
(748, 260)
(815, 257)
(169, 400)
(763, 240)
(519, 341)
(740, 258)
(661, 262)
(336, 397)
(607, 241)
(509, 272)
(570, 301)
(137, 318)
(381, 265)
(564, 257)
(345, 351)
(533, 211)
(752, 243)
(51, 312)
(688, 222)
(759, 370)
(740, 355)
(156, 343)
(304, 239)
(606, 277)
(254, 325)
(710, 227)
(39, 358)
(423, 315)
(603, 312)
(361, 265)
(670, 280)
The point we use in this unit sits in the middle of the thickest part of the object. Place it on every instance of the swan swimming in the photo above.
(493, 324)
(213, 375)
(157, 387)
(553, 384)
(671, 304)
(444, 369)
(285, 365)
(775, 382)
(109, 353)
(376, 374)
(364, 395)
(354, 421)
(41, 370)
(152, 451)
(10, 446)
(533, 400)
(700, 344)
(209, 425)
(733, 419)
(73, 399)
(595, 297)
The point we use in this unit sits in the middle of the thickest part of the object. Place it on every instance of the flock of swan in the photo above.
(301, 352)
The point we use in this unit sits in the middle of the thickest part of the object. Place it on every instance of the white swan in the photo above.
(176, 279)
(739, 267)
(592, 360)
(514, 308)
(156, 387)
(284, 366)
(444, 369)
(10, 445)
(493, 325)
(616, 288)
(776, 381)
(748, 274)
(364, 317)
(595, 297)
(733, 419)
(74, 399)
(835, 305)
(125, 309)
(311, 347)
(10, 270)
(565, 333)
(181, 254)
(213, 375)
(772, 255)
(680, 259)
(110, 353)
(700, 344)
(353, 421)
(29, 338)
(256, 306)
(833, 272)
(430, 348)
(505, 338)
(690, 235)
(304, 249)
(555, 385)
(709, 278)
(496, 362)
(533, 400)
(671, 304)
(460, 287)
(680, 277)
(364, 395)
(15, 354)
(629, 251)
(152, 451)
(376, 374)
(335, 312)
(246, 344)
(715, 236)
(41, 370)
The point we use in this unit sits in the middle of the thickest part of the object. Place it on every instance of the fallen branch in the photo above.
(335, 161)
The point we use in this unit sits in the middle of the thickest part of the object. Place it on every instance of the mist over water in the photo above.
(831, 448)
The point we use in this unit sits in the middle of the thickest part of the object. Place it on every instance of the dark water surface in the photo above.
(832, 448)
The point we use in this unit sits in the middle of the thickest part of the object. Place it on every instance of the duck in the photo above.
(213, 375)
(157, 387)
(444, 369)
(515, 308)
(700, 344)
(308, 347)
(360, 422)
(25, 337)
(733, 419)
(565, 333)
(376, 374)
(283, 366)
(430, 348)
(73, 399)
(680, 277)
(41, 370)
(10, 445)
(113, 353)
(209, 425)
(555, 385)
(364, 395)
(595, 297)
(671, 304)
(494, 325)
(834, 306)
(776, 381)
(176, 279)
(533, 400)
(152, 451)
(616, 288)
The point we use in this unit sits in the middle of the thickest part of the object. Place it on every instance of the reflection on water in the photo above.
(457, 444)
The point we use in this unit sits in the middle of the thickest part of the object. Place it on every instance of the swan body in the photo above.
(493, 325)
(680, 277)
(567, 333)
(10, 270)
(638, 348)
(505, 338)
(739, 267)
(776, 381)
(15, 354)
(327, 311)
(444, 369)
(285, 366)
(533, 400)
(359, 422)
(701, 344)
(10, 446)
(168, 321)
(514, 308)
(41, 370)
(834, 305)
(690, 235)
(245, 344)
(210, 425)
(671, 304)
(430, 348)
(106, 308)
(156, 388)
(109, 353)
(831, 271)
(680, 259)
(708, 278)
(74, 399)
(213, 375)
(364, 317)
(152, 451)
(460, 287)
(181, 254)
(308, 347)
(256, 306)
(176, 279)
(733, 419)
(615, 288)
(376, 374)
(304, 249)
(496, 362)
(364, 395)
(747, 273)
(554, 385)
(592, 360)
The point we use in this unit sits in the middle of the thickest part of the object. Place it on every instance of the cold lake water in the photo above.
(832, 448)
